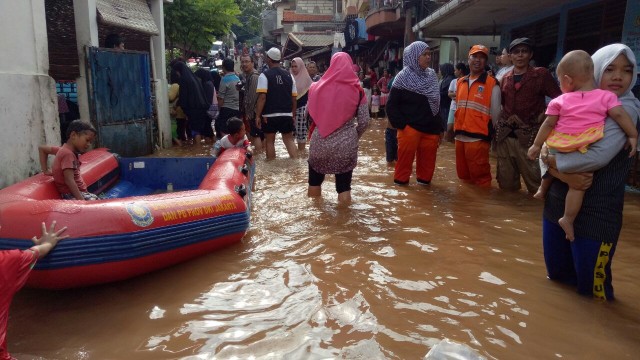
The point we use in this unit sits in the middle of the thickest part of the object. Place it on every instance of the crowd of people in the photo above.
(584, 162)
(520, 115)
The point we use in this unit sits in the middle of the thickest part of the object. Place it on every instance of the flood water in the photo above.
(384, 278)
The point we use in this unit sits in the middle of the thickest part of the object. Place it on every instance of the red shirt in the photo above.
(67, 159)
(526, 100)
(15, 266)
(373, 76)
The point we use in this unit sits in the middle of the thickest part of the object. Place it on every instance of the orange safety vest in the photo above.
(473, 111)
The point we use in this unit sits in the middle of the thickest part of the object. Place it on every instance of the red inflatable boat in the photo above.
(155, 212)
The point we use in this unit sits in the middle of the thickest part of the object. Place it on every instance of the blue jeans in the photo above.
(585, 263)
(391, 144)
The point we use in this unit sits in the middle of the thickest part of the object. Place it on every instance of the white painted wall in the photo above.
(28, 105)
(84, 12)
(325, 7)
(159, 75)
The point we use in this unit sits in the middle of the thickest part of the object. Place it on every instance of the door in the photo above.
(119, 90)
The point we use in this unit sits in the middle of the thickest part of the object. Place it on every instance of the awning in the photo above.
(129, 14)
(311, 40)
(480, 17)
(299, 42)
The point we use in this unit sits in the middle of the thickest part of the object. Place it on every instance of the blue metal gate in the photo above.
(120, 100)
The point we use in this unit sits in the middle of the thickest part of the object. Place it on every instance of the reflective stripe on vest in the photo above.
(473, 113)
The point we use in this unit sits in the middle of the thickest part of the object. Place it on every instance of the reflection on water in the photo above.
(386, 277)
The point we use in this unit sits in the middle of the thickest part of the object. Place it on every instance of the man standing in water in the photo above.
(478, 105)
(276, 105)
(250, 98)
(523, 106)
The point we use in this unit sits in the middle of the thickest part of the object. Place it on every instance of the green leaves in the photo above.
(193, 24)
(250, 26)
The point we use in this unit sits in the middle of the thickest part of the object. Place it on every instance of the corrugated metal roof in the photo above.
(129, 14)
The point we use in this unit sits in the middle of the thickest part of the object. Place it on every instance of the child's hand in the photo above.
(533, 152)
(47, 172)
(52, 236)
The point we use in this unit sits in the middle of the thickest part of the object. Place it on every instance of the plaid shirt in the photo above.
(250, 95)
(523, 104)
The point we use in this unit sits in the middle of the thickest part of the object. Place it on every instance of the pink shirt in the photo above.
(582, 110)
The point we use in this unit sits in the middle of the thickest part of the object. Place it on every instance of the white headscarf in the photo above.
(605, 56)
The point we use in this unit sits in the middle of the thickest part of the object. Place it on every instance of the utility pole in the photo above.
(409, 36)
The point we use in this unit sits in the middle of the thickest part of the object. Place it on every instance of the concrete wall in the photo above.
(325, 7)
(159, 75)
(28, 105)
(450, 53)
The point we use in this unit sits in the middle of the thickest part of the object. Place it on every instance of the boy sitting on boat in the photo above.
(237, 137)
(66, 165)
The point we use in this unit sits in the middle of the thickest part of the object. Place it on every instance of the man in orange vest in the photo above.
(478, 107)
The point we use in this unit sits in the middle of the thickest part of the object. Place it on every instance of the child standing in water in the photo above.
(375, 102)
(575, 120)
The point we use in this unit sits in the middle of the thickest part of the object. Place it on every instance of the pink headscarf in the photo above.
(334, 98)
(303, 80)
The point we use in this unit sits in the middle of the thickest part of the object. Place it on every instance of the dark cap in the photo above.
(521, 41)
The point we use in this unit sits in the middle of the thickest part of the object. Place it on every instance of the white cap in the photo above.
(274, 54)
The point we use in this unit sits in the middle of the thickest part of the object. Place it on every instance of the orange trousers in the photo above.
(413, 144)
(472, 162)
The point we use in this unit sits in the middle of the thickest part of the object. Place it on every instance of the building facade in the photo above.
(45, 50)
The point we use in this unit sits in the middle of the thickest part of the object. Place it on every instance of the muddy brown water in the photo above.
(385, 278)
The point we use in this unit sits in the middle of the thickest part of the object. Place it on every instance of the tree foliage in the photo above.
(193, 24)
(250, 18)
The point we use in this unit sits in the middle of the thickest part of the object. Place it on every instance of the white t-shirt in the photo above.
(453, 87)
(501, 73)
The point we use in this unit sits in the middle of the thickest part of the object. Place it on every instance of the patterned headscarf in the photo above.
(413, 78)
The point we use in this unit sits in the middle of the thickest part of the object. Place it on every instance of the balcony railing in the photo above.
(375, 5)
